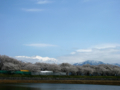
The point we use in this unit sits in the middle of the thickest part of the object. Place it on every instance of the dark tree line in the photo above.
(11, 64)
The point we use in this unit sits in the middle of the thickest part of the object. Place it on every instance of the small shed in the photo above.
(46, 72)
(59, 73)
(35, 73)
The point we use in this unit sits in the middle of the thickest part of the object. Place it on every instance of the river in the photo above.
(47, 86)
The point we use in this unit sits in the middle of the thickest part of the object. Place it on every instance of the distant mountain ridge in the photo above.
(93, 62)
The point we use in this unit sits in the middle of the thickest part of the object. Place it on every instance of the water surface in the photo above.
(45, 86)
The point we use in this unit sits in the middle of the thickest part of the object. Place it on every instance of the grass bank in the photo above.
(57, 76)
(100, 82)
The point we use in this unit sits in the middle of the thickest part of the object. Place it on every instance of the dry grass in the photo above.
(101, 82)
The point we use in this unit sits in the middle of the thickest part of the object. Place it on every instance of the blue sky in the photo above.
(60, 30)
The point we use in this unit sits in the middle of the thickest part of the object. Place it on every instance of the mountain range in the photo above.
(93, 62)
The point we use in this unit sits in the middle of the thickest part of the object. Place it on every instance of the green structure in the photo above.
(22, 73)
(5, 72)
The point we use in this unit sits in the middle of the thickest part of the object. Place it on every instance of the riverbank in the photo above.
(64, 77)
(100, 82)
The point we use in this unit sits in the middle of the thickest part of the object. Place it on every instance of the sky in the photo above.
(60, 30)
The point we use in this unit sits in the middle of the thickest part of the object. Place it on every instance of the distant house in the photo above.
(42, 73)
(48, 73)
(59, 73)
(35, 73)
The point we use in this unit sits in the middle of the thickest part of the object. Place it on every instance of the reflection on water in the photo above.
(15, 87)
(45, 86)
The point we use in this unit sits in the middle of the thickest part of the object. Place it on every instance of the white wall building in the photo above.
(48, 73)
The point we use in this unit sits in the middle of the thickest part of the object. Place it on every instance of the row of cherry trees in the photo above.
(11, 64)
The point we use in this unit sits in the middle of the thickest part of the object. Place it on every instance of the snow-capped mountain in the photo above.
(116, 64)
(91, 62)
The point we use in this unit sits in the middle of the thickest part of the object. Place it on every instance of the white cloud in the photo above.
(34, 59)
(108, 53)
(43, 1)
(32, 10)
(41, 45)
(103, 46)
(84, 50)
(72, 52)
